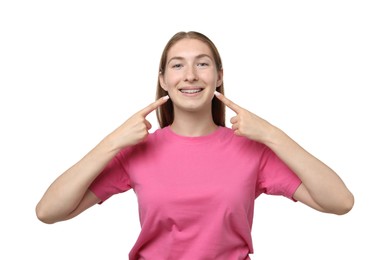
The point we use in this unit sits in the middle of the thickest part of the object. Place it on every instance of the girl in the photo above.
(195, 179)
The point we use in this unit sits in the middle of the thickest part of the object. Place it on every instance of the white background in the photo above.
(72, 71)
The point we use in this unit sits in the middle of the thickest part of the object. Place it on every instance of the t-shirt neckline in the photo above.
(194, 139)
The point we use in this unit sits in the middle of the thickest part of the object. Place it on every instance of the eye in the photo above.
(203, 64)
(177, 66)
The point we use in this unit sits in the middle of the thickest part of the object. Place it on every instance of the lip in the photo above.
(189, 89)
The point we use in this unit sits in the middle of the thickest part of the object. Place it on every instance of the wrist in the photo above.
(110, 144)
(274, 137)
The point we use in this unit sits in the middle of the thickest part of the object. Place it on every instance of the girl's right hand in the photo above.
(135, 129)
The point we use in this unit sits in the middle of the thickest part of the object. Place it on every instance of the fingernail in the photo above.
(217, 93)
(166, 97)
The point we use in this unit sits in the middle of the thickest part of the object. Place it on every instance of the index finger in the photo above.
(230, 104)
(153, 106)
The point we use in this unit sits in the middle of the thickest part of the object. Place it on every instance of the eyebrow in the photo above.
(196, 57)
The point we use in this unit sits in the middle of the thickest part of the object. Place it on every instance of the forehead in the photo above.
(186, 48)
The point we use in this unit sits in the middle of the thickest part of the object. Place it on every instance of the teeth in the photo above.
(190, 91)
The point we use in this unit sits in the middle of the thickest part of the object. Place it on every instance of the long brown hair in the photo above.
(165, 113)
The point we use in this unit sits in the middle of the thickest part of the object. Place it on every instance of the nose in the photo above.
(191, 74)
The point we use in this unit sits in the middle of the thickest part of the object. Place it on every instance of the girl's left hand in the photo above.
(247, 124)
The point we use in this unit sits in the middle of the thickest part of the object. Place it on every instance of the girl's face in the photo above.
(191, 76)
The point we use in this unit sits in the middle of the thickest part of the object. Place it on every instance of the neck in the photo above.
(193, 123)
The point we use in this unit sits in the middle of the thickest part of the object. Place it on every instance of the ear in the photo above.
(162, 82)
(220, 77)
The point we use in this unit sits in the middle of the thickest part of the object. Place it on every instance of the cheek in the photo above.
(171, 81)
(211, 78)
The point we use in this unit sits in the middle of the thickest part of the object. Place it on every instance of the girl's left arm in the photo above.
(321, 188)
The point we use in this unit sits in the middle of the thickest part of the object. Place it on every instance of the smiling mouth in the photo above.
(191, 91)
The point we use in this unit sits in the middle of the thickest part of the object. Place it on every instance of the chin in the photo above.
(185, 106)
(190, 108)
(194, 104)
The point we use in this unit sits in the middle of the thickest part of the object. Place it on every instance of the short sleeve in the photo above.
(113, 179)
(275, 177)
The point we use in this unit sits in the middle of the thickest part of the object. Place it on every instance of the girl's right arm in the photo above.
(68, 195)
(67, 192)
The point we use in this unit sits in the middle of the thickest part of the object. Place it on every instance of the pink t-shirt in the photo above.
(195, 194)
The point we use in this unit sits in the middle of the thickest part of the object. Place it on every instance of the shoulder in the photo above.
(230, 138)
(158, 135)
(150, 140)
